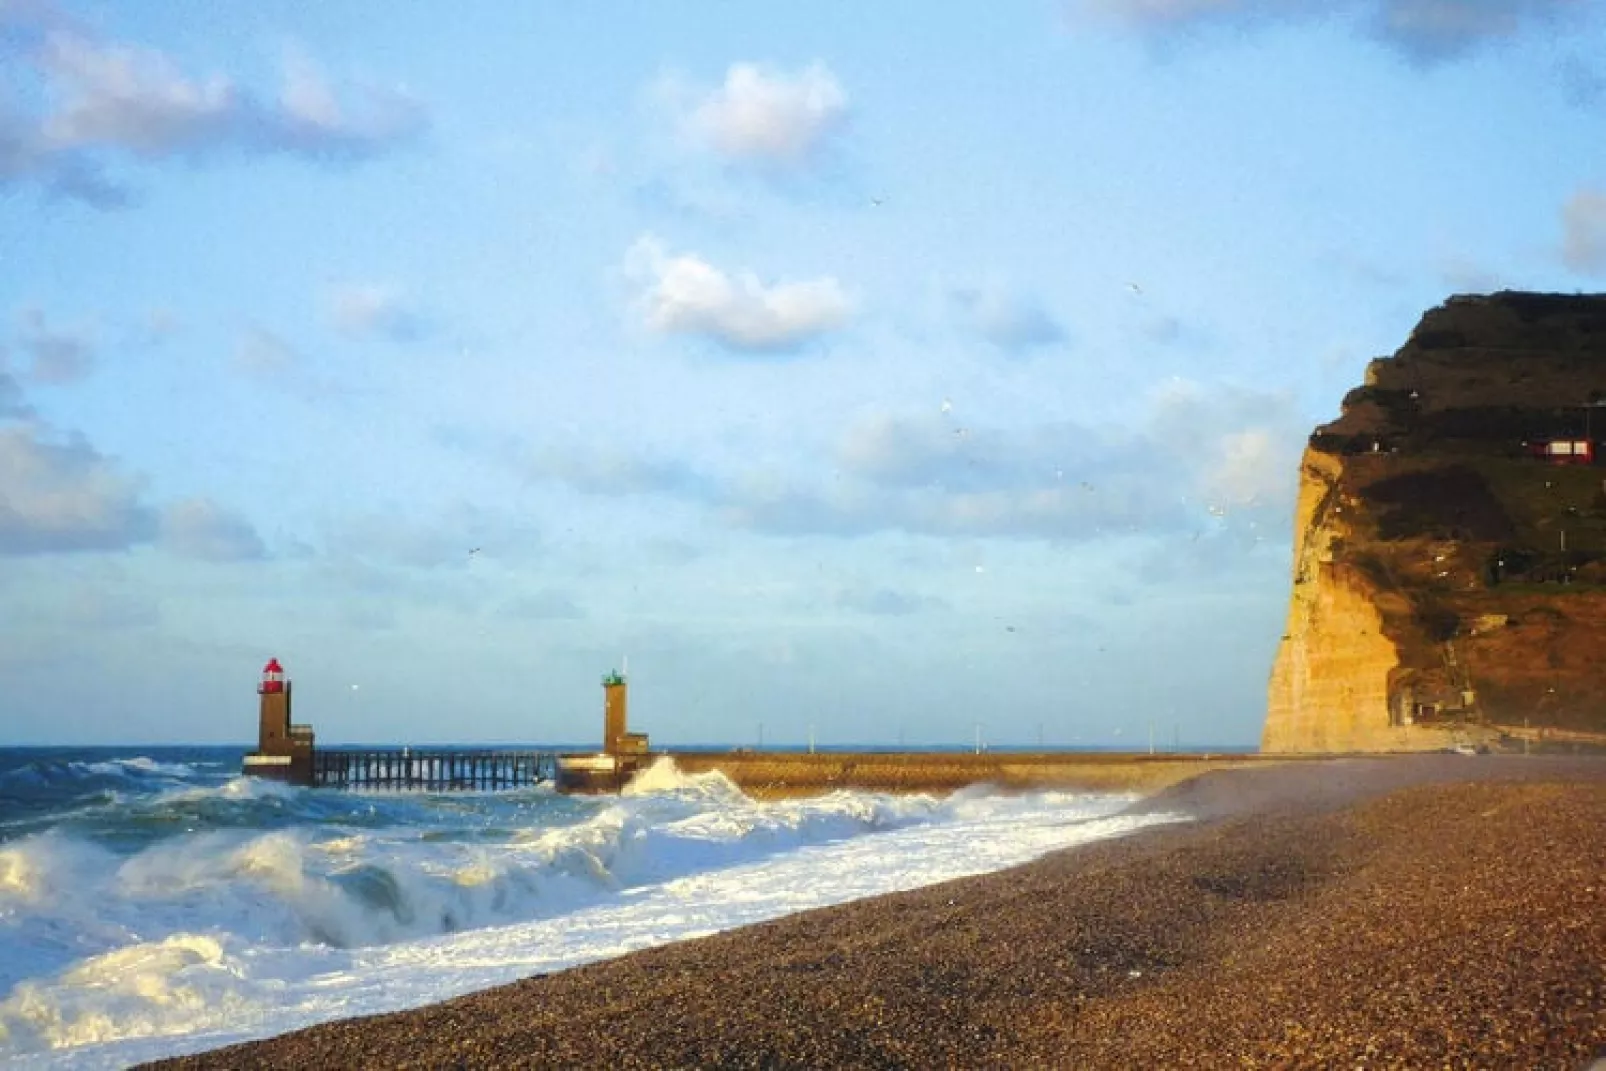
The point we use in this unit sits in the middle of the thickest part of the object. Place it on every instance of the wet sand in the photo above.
(1430, 911)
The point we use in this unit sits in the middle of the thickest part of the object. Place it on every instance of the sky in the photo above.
(876, 373)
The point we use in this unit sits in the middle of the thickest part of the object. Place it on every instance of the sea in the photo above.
(153, 902)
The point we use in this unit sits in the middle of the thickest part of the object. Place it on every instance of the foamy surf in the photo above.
(349, 905)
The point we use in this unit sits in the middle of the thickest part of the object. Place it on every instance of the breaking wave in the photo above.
(197, 902)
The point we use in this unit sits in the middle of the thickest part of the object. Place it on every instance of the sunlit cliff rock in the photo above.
(1449, 579)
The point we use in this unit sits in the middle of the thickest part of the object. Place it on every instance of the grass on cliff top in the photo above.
(1459, 495)
(1545, 500)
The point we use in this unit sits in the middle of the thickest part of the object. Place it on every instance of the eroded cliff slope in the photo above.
(1449, 578)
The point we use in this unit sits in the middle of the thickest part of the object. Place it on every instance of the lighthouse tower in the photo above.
(284, 750)
(623, 752)
(615, 711)
(273, 729)
(617, 739)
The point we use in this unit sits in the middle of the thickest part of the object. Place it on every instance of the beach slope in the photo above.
(1417, 911)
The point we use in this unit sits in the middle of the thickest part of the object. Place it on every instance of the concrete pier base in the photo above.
(777, 774)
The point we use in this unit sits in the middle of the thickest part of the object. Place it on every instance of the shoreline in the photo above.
(1380, 910)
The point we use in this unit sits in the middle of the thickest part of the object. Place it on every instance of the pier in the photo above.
(288, 751)
(430, 770)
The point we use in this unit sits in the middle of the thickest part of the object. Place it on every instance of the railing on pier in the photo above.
(428, 770)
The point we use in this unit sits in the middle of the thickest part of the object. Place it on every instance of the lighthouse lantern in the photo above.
(272, 677)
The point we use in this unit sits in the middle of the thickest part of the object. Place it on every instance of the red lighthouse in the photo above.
(284, 750)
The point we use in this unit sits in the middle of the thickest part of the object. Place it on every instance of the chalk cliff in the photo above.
(1449, 575)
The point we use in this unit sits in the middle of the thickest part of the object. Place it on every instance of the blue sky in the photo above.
(883, 371)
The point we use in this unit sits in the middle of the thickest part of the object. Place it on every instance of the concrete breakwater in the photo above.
(771, 774)
(287, 751)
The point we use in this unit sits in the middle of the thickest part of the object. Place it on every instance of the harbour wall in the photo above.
(772, 774)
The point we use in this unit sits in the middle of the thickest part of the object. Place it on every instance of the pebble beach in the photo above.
(1407, 912)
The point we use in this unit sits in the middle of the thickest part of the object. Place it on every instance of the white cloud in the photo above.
(1430, 30)
(1203, 452)
(1584, 83)
(1464, 274)
(390, 539)
(264, 355)
(1584, 231)
(886, 602)
(899, 451)
(56, 355)
(1150, 13)
(92, 607)
(764, 115)
(684, 294)
(1206, 457)
(62, 495)
(1012, 322)
(1422, 30)
(375, 309)
(1241, 447)
(912, 452)
(12, 402)
(200, 528)
(99, 101)
(159, 325)
(459, 537)
(546, 605)
(130, 97)
(1060, 513)
(1245, 468)
(313, 120)
(612, 473)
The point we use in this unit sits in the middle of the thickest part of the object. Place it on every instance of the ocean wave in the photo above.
(226, 931)
(45, 791)
(140, 766)
(366, 878)
(58, 772)
(665, 778)
(667, 824)
(180, 984)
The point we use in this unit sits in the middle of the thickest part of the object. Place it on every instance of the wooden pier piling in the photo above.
(427, 770)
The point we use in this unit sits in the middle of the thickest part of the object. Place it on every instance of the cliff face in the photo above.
(1450, 544)
(1331, 675)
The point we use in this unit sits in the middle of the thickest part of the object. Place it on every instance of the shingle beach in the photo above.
(1434, 911)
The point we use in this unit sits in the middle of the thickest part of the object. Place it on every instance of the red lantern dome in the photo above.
(272, 677)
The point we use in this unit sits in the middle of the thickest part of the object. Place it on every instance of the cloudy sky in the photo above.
(890, 371)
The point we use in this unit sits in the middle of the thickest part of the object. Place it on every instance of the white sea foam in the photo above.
(235, 790)
(19, 876)
(179, 984)
(212, 937)
(136, 766)
(663, 777)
